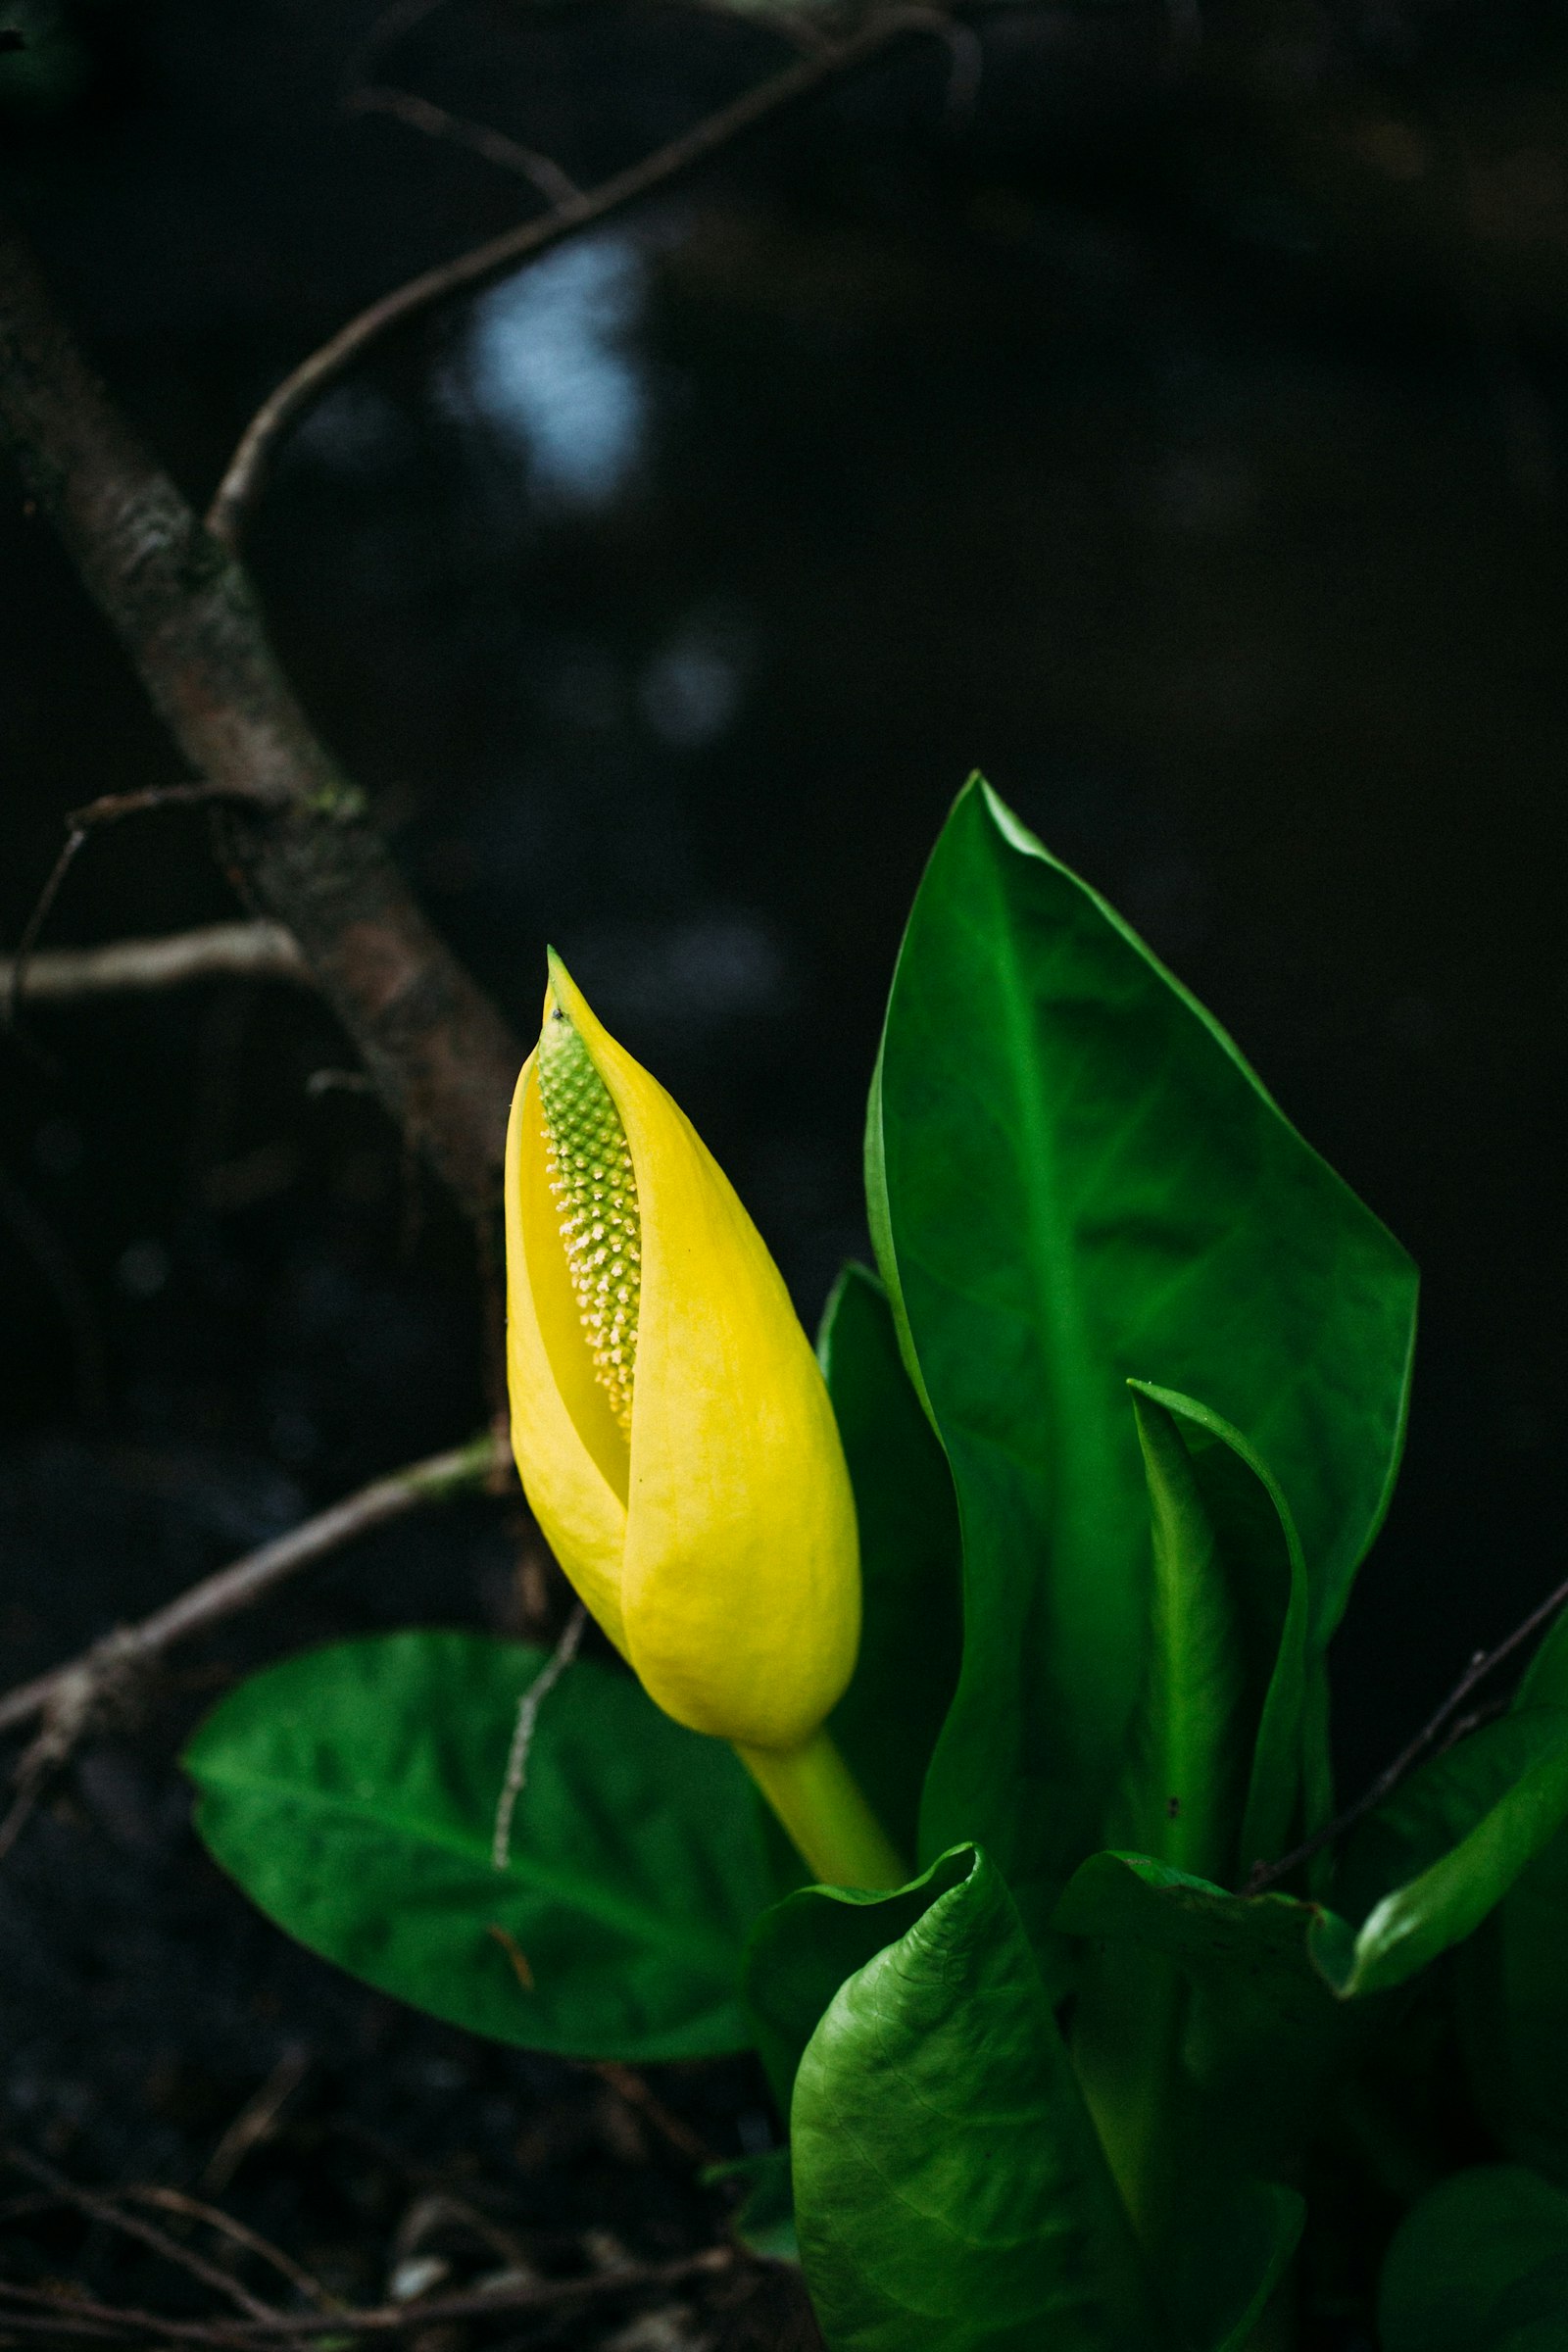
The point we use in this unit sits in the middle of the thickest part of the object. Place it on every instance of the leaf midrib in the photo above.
(1082, 1461)
(630, 1918)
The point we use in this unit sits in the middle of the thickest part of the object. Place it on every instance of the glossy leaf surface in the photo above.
(1074, 1180)
(1480, 2265)
(1262, 2026)
(950, 2191)
(808, 1945)
(1217, 1745)
(1449, 1900)
(1191, 1735)
(352, 1791)
(912, 1634)
(1440, 1805)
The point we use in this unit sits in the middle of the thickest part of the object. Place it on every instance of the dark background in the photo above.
(1163, 409)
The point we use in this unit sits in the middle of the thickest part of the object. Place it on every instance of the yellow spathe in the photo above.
(713, 1538)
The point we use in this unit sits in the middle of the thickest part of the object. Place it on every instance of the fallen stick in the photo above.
(69, 1696)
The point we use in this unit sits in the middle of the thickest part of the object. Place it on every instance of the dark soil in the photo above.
(160, 2035)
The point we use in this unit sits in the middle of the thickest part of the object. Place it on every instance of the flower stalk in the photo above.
(824, 1813)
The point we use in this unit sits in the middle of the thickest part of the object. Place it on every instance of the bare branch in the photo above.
(72, 1696)
(129, 967)
(242, 482)
(256, 2121)
(225, 2225)
(393, 24)
(628, 2084)
(1484, 1662)
(541, 172)
(295, 842)
(182, 607)
(528, 1706)
(81, 827)
(105, 2210)
(81, 2315)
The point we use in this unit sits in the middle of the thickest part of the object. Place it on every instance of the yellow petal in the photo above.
(740, 1587)
(571, 1456)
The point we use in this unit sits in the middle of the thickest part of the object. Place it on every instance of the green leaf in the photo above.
(912, 1636)
(1480, 2265)
(1440, 1805)
(803, 1948)
(1075, 1180)
(1449, 1900)
(353, 1792)
(950, 2191)
(1226, 2253)
(1262, 2029)
(1190, 1735)
(1510, 1795)
(1217, 1745)
(1514, 1985)
(1202, 2037)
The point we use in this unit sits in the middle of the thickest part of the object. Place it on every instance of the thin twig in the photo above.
(51, 2322)
(175, 2200)
(1483, 1663)
(528, 1706)
(73, 2314)
(242, 481)
(542, 172)
(108, 2211)
(552, 2295)
(393, 24)
(81, 825)
(296, 839)
(259, 950)
(432, 2210)
(629, 2085)
(255, 2121)
(77, 1685)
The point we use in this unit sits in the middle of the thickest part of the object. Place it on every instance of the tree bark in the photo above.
(295, 833)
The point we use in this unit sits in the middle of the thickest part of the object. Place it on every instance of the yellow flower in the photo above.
(671, 1427)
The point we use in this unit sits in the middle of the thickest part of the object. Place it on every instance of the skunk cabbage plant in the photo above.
(1087, 2031)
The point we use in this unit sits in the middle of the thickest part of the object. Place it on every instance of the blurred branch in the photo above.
(1484, 1662)
(107, 2211)
(182, 608)
(81, 827)
(72, 1698)
(245, 950)
(224, 2225)
(295, 840)
(420, 114)
(76, 2315)
(246, 468)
